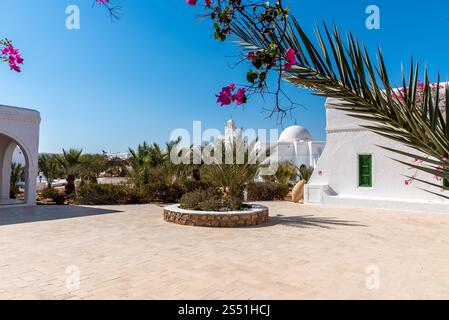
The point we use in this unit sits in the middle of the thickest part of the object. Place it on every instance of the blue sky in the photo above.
(109, 86)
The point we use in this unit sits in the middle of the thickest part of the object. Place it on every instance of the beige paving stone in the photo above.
(305, 252)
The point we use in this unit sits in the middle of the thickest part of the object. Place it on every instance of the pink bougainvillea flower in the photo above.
(225, 96)
(240, 96)
(15, 67)
(191, 2)
(290, 59)
(208, 2)
(251, 56)
(12, 56)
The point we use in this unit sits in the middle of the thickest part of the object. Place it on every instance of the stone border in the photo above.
(257, 215)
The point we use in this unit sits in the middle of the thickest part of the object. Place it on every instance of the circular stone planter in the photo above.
(256, 215)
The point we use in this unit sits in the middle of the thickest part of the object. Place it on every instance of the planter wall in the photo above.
(257, 215)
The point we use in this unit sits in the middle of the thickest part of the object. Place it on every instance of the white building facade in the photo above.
(353, 171)
(18, 128)
(295, 145)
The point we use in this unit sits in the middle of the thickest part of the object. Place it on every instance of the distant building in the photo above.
(295, 145)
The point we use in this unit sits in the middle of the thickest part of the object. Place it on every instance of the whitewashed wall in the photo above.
(19, 126)
(335, 180)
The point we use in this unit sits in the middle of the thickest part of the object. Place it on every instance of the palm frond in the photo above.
(415, 115)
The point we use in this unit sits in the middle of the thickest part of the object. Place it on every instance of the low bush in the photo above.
(104, 194)
(193, 185)
(209, 200)
(159, 192)
(54, 195)
(267, 191)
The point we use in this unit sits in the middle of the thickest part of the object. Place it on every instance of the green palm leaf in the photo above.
(415, 117)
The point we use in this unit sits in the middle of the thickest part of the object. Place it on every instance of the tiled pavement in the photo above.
(315, 252)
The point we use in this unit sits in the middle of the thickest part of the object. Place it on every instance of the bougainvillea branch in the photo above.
(417, 115)
(113, 9)
(10, 55)
(259, 16)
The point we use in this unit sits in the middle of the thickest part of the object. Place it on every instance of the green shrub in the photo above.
(159, 192)
(193, 200)
(233, 203)
(267, 191)
(209, 200)
(54, 195)
(103, 194)
(193, 185)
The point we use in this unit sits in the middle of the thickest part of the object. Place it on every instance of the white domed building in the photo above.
(297, 146)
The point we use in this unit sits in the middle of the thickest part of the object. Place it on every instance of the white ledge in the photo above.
(256, 208)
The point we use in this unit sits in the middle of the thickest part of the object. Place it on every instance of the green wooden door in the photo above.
(446, 183)
(365, 171)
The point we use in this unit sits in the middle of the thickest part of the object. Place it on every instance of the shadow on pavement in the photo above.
(10, 216)
(309, 221)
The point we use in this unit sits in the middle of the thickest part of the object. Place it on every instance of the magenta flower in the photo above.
(227, 96)
(251, 56)
(290, 59)
(11, 55)
(191, 2)
(240, 96)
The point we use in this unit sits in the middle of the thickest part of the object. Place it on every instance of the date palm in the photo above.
(234, 163)
(70, 161)
(16, 174)
(305, 173)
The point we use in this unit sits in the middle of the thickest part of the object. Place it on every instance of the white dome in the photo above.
(295, 133)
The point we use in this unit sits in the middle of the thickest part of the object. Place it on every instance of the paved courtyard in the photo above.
(312, 252)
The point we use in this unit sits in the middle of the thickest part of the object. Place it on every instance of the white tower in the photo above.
(230, 129)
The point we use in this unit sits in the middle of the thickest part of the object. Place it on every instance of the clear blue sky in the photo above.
(109, 86)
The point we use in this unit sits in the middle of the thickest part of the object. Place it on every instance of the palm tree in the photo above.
(417, 115)
(49, 167)
(140, 162)
(305, 173)
(151, 162)
(284, 173)
(70, 161)
(91, 166)
(16, 174)
(234, 164)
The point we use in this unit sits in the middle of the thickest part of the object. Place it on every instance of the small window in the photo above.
(365, 171)
(446, 183)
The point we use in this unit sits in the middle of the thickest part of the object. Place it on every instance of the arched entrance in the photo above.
(19, 141)
(15, 172)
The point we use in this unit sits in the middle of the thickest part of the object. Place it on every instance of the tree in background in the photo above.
(17, 171)
(305, 173)
(49, 167)
(285, 173)
(70, 162)
(91, 166)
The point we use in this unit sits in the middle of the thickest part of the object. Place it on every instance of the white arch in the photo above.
(8, 146)
(19, 127)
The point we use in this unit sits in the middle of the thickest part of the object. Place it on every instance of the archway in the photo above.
(14, 172)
